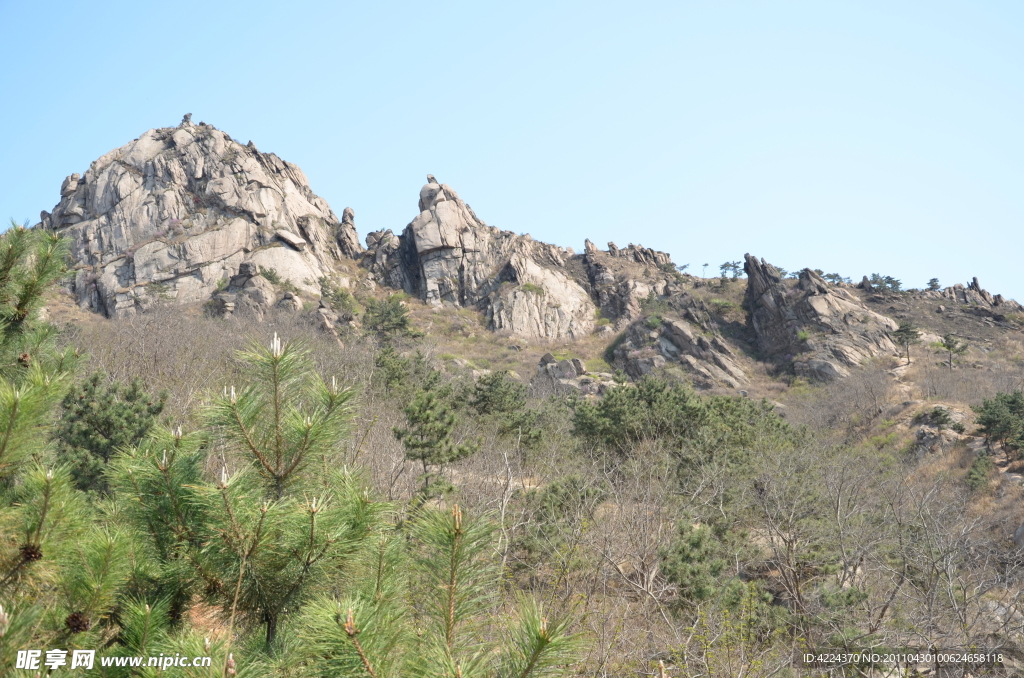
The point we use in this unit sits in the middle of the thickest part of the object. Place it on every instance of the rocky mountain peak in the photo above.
(188, 214)
(173, 215)
(449, 255)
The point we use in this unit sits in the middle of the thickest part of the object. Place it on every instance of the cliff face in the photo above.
(176, 212)
(829, 328)
(448, 254)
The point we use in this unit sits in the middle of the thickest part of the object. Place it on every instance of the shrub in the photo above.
(271, 275)
(675, 415)
(554, 510)
(981, 468)
(533, 289)
(1001, 419)
(940, 417)
(723, 305)
(652, 304)
(339, 298)
(388, 317)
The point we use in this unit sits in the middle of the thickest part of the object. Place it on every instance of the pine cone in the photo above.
(77, 622)
(30, 553)
(25, 359)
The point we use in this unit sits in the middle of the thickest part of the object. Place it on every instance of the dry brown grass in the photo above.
(191, 355)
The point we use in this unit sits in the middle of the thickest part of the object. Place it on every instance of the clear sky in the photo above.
(855, 137)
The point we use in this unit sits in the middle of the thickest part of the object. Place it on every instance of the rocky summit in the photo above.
(178, 211)
(189, 216)
(448, 254)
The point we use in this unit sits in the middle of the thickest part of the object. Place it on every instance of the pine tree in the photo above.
(285, 419)
(99, 419)
(278, 526)
(388, 317)
(428, 610)
(33, 373)
(693, 562)
(429, 437)
(500, 396)
(953, 346)
(907, 334)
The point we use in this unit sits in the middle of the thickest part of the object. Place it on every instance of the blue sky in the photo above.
(854, 137)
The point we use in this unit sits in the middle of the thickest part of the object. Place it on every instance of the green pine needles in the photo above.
(430, 436)
(113, 538)
(33, 373)
(285, 418)
(431, 610)
(99, 419)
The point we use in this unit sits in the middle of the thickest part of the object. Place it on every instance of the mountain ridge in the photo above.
(188, 215)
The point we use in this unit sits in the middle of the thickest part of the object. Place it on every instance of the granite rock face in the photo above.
(448, 254)
(824, 327)
(692, 340)
(621, 279)
(993, 305)
(173, 215)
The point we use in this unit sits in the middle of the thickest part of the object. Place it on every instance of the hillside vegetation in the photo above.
(415, 497)
(230, 430)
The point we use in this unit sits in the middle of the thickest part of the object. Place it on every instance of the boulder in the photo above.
(291, 239)
(567, 370)
(297, 268)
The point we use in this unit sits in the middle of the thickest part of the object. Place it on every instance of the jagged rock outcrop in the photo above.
(621, 279)
(640, 254)
(992, 305)
(173, 215)
(448, 254)
(691, 340)
(824, 328)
